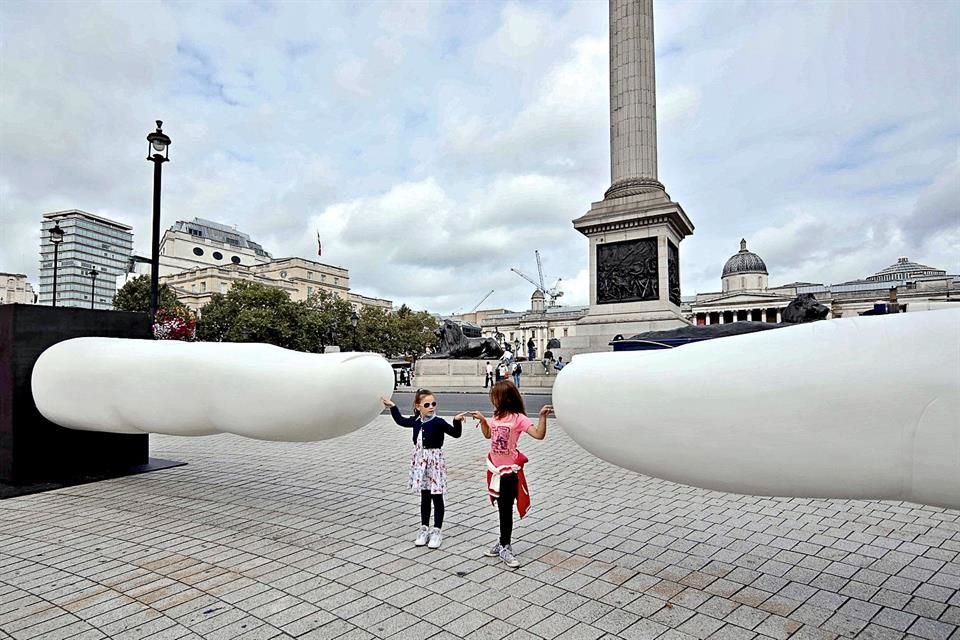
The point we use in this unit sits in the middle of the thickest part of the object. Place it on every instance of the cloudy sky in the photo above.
(437, 144)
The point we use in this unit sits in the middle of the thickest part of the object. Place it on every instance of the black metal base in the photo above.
(15, 490)
(33, 450)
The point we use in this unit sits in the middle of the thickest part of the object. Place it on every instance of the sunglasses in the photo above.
(429, 404)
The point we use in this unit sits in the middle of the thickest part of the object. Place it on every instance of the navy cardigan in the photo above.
(433, 429)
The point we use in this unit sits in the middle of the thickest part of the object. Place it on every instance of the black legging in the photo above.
(425, 498)
(508, 493)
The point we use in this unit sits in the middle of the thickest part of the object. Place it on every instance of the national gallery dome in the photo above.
(744, 270)
(744, 261)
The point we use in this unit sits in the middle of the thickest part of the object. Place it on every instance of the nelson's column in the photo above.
(635, 231)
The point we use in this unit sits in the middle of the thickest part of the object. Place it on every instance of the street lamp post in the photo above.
(93, 273)
(355, 320)
(56, 237)
(158, 152)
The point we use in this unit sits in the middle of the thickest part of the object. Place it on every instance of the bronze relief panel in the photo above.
(627, 271)
(673, 272)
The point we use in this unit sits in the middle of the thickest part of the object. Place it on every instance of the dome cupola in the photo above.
(744, 270)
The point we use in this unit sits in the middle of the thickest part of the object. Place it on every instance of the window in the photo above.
(564, 332)
(217, 255)
(203, 287)
(235, 260)
(197, 251)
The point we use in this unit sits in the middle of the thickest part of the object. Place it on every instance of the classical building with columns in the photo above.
(746, 296)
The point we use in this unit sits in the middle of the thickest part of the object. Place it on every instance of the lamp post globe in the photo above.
(56, 238)
(158, 152)
(93, 273)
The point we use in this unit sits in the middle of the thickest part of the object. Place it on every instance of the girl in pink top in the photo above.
(505, 462)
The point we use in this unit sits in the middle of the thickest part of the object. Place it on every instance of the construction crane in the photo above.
(477, 306)
(553, 292)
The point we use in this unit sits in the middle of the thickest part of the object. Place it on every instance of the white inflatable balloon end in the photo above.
(865, 407)
(202, 388)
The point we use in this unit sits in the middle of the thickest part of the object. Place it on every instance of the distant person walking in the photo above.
(428, 468)
(506, 482)
(531, 349)
(488, 380)
(517, 371)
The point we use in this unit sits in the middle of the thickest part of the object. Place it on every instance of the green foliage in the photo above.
(135, 296)
(252, 312)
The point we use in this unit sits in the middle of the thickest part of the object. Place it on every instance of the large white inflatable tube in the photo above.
(853, 408)
(202, 388)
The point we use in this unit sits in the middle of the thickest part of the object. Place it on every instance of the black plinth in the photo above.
(36, 454)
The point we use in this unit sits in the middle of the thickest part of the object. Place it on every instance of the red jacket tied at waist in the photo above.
(493, 481)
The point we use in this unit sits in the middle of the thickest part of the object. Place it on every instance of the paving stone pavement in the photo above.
(256, 540)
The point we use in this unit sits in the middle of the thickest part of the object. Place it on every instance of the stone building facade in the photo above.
(200, 258)
(14, 289)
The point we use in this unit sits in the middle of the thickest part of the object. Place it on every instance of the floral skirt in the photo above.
(428, 470)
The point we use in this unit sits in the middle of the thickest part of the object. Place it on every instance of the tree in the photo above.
(252, 312)
(414, 331)
(401, 334)
(135, 296)
(332, 319)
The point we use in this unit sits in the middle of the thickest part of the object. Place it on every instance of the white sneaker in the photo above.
(435, 538)
(493, 551)
(506, 554)
(423, 536)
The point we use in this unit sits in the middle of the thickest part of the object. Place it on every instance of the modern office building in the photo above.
(94, 251)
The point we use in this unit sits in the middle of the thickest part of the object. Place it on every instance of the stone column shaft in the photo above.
(633, 99)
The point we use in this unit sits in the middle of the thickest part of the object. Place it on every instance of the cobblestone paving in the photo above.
(256, 540)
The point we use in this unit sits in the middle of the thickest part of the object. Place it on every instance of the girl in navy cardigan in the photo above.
(428, 468)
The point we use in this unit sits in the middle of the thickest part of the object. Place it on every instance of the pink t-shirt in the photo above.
(504, 433)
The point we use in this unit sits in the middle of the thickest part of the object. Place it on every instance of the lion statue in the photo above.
(453, 344)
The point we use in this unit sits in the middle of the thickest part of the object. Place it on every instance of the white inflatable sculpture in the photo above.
(852, 408)
(202, 388)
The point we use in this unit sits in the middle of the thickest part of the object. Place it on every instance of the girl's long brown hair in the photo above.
(416, 399)
(506, 399)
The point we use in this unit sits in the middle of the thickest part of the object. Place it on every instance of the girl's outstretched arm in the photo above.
(484, 427)
(539, 430)
(456, 430)
(397, 417)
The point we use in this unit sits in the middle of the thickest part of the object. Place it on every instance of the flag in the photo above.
(319, 246)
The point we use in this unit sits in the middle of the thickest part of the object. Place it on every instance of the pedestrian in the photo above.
(531, 349)
(488, 380)
(559, 364)
(428, 468)
(506, 482)
(517, 370)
